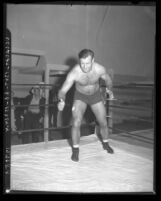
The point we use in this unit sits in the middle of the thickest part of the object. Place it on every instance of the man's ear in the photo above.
(92, 60)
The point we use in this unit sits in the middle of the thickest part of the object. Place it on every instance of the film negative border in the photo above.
(6, 110)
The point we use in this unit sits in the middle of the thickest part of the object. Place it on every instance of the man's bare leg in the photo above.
(100, 113)
(78, 110)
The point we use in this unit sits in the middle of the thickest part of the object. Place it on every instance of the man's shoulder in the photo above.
(103, 68)
(29, 95)
(75, 69)
(99, 67)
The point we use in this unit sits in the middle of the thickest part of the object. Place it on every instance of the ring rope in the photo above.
(52, 128)
(128, 85)
(37, 105)
(129, 108)
(17, 105)
(83, 125)
(135, 135)
(150, 121)
(14, 84)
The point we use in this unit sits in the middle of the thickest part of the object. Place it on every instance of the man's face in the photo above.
(86, 64)
(37, 91)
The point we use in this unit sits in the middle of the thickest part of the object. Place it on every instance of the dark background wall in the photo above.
(123, 37)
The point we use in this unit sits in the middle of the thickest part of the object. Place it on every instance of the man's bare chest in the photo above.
(88, 79)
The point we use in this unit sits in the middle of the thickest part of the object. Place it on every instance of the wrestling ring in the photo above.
(46, 167)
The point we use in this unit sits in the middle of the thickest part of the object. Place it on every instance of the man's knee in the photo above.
(77, 122)
(103, 124)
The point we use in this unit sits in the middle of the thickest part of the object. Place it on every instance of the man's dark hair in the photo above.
(85, 53)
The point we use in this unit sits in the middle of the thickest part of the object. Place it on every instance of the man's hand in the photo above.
(111, 96)
(61, 105)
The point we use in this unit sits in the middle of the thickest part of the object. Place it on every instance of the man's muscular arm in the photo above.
(108, 82)
(66, 85)
(105, 76)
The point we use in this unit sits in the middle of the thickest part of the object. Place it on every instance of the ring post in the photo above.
(46, 118)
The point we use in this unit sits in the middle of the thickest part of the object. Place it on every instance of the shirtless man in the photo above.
(86, 76)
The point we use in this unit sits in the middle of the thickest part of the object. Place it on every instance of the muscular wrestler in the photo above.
(86, 77)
